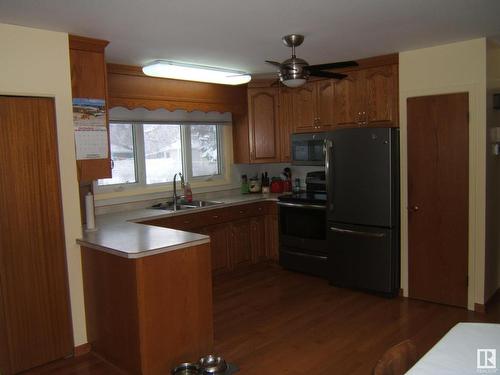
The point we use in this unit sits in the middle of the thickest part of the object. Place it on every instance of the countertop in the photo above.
(122, 234)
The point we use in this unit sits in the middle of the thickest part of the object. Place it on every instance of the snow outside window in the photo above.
(147, 154)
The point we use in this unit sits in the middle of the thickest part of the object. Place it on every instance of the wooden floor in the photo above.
(271, 321)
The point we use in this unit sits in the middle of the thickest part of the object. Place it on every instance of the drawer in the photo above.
(247, 210)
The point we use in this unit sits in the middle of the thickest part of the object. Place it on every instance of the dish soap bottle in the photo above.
(188, 193)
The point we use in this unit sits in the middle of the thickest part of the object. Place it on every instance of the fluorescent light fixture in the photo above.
(192, 72)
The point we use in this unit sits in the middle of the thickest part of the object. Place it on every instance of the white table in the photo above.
(456, 353)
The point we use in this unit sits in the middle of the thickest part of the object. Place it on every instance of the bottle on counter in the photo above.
(244, 185)
(188, 193)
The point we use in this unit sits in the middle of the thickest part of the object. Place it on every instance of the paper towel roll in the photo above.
(89, 211)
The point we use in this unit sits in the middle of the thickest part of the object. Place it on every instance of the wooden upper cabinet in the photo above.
(324, 104)
(263, 125)
(381, 90)
(347, 100)
(304, 101)
(88, 80)
(286, 122)
(313, 106)
(367, 97)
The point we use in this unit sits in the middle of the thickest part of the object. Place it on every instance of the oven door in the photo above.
(303, 227)
(308, 149)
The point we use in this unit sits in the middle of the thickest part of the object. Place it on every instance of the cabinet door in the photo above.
(348, 100)
(324, 104)
(381, 95)
(263, 124)
(241, 248)
(219, 247)
(88, 80)
(304, 101)
(286, 122)
(272, 236)
(258, 231)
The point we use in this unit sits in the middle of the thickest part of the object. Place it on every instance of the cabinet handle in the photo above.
(186, 221)
(242, 212)
(215, 216)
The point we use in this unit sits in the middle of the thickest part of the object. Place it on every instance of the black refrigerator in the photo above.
(362, 167)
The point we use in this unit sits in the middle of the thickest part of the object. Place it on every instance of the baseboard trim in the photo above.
(480, 308)
(81, 349)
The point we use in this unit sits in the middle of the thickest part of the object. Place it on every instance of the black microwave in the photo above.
(308, 149)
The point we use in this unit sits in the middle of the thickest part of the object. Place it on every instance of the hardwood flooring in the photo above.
(271, 321)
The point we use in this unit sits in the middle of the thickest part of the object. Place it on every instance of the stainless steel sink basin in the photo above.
(185, 206)
(202, 203)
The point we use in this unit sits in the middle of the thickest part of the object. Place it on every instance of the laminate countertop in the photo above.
(122, 234)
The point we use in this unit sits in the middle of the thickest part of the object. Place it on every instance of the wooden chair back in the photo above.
(397, 360)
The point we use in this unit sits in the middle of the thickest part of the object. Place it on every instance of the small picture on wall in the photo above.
(89, 112)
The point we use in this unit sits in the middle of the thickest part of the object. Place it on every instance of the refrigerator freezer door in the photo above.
(362, 176)
(364, 257)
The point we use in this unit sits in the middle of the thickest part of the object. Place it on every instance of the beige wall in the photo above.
(456, 67)
(492, 256)
(36, 62)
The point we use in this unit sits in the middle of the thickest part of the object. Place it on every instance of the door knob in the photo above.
(414, 208)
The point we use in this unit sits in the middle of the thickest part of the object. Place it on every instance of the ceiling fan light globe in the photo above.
(294, 82)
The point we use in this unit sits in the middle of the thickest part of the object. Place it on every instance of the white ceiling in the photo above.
(242, 34)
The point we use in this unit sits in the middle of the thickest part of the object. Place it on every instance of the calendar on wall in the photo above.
(91, 135)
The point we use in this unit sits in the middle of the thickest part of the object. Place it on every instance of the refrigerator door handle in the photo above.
(328, 146)
(357, 233)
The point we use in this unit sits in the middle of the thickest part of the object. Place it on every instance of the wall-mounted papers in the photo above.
(91, 135)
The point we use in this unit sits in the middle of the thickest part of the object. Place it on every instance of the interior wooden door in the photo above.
(263, 124)
(438, 198)
(34, 306)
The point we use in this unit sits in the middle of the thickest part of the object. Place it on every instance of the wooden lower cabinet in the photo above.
(241, 243)
(240, 235)
(258, 238)
(149, 314)
(219, 243)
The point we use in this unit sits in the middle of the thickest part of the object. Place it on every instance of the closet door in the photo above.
(35, 325)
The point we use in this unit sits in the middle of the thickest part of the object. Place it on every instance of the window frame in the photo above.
(186, 156)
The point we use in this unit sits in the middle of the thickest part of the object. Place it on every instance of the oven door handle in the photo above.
(302, 205)
(357, 233)
(323, 257)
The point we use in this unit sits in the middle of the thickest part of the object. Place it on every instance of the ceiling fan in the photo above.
(294, 72)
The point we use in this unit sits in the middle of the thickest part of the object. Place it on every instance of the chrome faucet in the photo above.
(175, 189)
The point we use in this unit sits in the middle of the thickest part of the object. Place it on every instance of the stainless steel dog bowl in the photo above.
(212, 364)
(186, 369)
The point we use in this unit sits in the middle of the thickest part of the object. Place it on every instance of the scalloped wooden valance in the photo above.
(128, 87)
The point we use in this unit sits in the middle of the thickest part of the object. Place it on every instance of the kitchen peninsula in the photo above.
(148, 287)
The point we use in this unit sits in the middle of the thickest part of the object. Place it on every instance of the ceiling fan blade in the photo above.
(275, 83)
(320, 73)
(336, 65)
(274, 63)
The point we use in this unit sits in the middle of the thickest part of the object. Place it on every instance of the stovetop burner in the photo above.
(305, 197)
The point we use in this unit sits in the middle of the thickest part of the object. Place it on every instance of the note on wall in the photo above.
(91, 135)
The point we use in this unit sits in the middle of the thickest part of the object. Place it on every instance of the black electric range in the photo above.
(302, 227)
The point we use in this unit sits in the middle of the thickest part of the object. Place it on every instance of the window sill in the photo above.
(150, 194)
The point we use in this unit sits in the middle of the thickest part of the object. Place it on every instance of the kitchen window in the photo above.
(146, 154)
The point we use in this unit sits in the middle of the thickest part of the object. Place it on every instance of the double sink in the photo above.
(169, 206)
